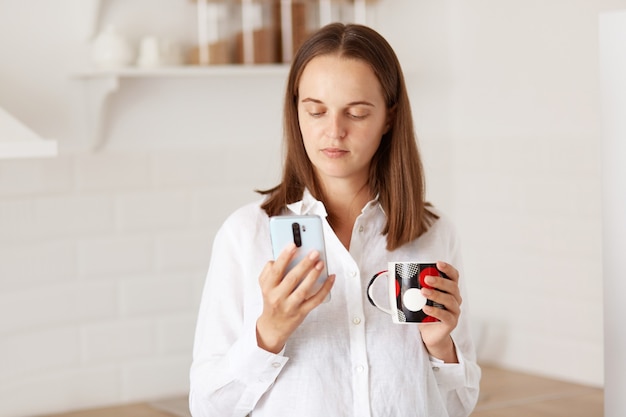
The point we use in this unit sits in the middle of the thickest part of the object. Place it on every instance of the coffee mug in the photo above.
(405, 280)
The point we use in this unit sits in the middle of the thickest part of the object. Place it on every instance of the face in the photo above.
(342, 116)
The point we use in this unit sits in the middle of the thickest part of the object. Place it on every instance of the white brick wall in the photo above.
(101, 257)
(42, 176)
(43, 351)
(119, 171)
(119, 340)
(100, 282)
(153, 209)
(68, 388)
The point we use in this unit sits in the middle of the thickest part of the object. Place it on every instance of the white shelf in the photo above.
(186, 71)
(100, 84)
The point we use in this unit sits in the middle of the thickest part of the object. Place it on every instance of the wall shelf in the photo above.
(186, 71)
(100, 84)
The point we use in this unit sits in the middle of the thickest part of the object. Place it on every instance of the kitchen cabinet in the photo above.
(18, 141)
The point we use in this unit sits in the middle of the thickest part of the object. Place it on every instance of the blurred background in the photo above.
(104, 246)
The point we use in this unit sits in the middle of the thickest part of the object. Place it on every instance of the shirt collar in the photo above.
(372, 204)
(310, 205)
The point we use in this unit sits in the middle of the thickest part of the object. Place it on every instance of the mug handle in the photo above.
(371, 298)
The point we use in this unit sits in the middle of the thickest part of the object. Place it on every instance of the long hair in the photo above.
(396, 173)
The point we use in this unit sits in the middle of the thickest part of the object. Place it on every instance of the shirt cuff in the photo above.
(252, 365)
(451, 375)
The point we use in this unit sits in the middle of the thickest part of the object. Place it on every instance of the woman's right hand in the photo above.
(285, 303)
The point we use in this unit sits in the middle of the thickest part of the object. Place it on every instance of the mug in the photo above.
(405, 279)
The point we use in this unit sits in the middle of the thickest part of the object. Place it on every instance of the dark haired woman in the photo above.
(266, 346)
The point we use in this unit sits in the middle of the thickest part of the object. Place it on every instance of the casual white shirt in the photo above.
(347, 358)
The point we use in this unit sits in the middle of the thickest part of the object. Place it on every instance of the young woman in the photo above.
(266, 346)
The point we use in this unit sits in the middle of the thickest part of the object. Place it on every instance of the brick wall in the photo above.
(102, 259)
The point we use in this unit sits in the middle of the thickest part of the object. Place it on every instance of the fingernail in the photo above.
(314, 255)
(319, 266)
(430, 279)
(427, 292)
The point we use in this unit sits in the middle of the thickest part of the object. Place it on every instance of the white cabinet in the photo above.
(18, 141)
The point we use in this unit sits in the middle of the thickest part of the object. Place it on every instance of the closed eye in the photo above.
(357, 116)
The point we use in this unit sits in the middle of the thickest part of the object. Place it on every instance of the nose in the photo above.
(335, 128)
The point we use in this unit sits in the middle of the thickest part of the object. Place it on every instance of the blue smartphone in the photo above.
(306, 232)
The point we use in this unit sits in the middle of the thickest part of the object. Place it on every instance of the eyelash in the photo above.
(353, 116)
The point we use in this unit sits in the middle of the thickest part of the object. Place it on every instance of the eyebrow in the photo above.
(354, 103)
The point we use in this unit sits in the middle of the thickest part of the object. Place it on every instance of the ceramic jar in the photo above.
(111, 50)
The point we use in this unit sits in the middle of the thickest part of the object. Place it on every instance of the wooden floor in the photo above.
(503, 394)
(511, 394)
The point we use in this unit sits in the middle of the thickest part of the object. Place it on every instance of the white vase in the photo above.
(111, 50)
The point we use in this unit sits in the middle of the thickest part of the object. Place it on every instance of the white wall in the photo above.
(102, 254)
(506, 96)
(613, 82)
(528, 184)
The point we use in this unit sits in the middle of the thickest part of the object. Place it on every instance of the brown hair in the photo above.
(396, 172)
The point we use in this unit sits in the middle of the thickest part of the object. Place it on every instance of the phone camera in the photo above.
(297, 239)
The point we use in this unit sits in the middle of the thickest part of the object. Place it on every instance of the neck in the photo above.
(344, 203)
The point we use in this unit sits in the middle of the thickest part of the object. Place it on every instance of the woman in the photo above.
(264, 345)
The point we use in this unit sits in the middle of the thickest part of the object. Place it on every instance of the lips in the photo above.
(334, 152)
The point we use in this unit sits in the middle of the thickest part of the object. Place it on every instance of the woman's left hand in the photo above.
(436, 335)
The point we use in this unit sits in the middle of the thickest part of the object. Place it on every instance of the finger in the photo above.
(321, 295)
(266, 273)
(279, 266)
(449, 301)
(449, 270)
(309, 284)
(444, 285)
(446, 317)
(294, 278)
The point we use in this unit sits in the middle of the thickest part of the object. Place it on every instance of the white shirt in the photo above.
(347, 358)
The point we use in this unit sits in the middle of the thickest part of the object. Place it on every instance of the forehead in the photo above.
(332, 75)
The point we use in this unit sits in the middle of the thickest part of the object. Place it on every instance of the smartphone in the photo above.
(306, 232)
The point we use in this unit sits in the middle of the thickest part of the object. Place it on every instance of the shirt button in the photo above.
(356, 320)
(360, 368)
(436, 368)
(360, 228)
(353, 274)
(276, 365)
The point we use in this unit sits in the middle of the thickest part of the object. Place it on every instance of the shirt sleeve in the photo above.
(229, 372)
(459, 383)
